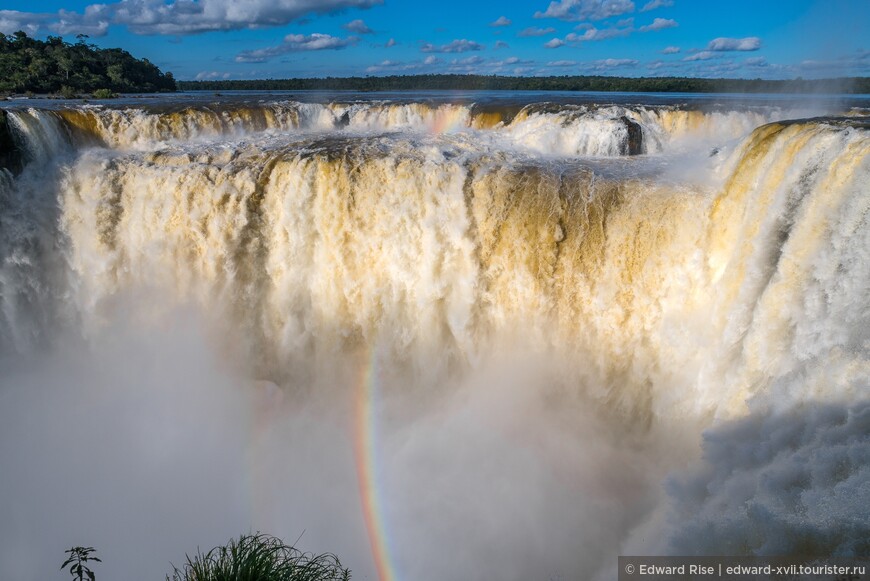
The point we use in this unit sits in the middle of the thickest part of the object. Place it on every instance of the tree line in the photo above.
(55, 66)
(563, 83)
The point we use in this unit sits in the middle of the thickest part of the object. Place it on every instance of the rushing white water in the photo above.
(543, 128)
(558, 322)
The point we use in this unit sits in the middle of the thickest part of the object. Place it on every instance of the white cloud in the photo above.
(501, 21)
(472, 60)
(462, 45)
(390, 43)
(729, 44)
(625, 22)
(358, 26)
(535, 31)
(591, 33)
(605, 64)
(501, 44)
(704, 55)
(460, 65)
(659, 24)
(74, 23)
(671, 50)
(718, 69)
(64, 22)
(393, 66)
(211, 75)
(561, 63)
(296, 43)
(13, 21)
(575, 10)
(596, 34)
(653, 4)
(756, 61)
(856, 63)
(178, 16)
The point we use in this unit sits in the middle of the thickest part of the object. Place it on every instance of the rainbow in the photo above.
(366, 452)
(447, 120)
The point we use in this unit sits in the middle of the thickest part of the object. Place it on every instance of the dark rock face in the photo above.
(11, 156)
(635, 136)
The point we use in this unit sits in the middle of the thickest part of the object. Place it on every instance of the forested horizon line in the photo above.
(849, 85)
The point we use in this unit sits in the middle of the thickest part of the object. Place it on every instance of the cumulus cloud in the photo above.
(64, 22)
(391, 66)
(211, 75)
(12, 20)
(459, 65)
(591, 33)
(536, 31)
(659, 24)
(390, 43)
(704, 55)
(499, 66)
(178, 16)
(671, 50)
(653, 4)
(296, 43)
(738, 44)
(561, 63)
(471, 60)
(604, 64)
(461, 45)
(501, 21)
(358, 26)
(501, 44)
(575, 10)
(598, 34)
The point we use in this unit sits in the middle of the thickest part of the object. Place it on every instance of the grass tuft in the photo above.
(259, 557)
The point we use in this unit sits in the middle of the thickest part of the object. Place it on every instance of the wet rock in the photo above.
(635, 136)
(11, 156)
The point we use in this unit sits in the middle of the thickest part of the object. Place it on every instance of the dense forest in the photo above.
(576, 83)
(55, 66)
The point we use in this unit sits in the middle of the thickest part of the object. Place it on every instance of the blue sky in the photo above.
(239, 39)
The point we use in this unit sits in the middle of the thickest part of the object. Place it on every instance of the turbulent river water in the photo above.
(445, 337)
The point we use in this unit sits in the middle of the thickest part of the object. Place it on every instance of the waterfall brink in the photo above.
(540, 273)
(548, 128)
(302, 245)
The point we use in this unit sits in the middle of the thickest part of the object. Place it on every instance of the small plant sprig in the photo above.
(78, 556)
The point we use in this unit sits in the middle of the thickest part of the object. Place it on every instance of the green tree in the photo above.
(27, 64)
